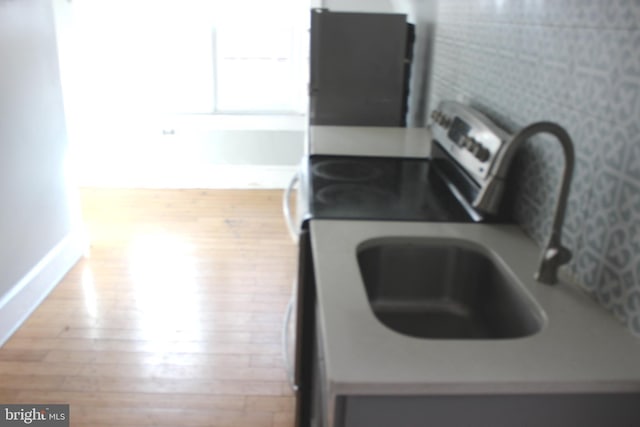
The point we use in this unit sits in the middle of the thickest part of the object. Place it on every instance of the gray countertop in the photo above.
(580, 348)
(369, 141)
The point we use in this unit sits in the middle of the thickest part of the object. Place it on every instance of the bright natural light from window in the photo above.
(255, 74)
(191, 56)
(165, 286)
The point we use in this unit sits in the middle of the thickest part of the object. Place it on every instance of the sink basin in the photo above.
(444, 289)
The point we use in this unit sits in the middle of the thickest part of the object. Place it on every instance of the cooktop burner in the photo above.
(346, 170)
(356, 194)
(380, 188)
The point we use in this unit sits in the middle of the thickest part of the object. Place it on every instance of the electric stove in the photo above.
(450, 185)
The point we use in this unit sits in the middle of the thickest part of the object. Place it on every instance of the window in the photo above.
(192, 56)
(256, 73)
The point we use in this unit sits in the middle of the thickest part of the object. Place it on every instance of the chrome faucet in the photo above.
(554, 254)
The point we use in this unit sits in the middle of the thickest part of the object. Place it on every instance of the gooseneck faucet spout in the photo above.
(554, 254)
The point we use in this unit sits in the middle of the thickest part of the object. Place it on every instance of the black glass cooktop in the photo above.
(381, 188)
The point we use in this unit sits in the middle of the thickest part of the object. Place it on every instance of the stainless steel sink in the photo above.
(448, 289)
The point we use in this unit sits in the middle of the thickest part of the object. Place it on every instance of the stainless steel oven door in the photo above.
(294, 221)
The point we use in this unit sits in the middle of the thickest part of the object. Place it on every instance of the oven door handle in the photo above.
(286, 355)
(286, 207)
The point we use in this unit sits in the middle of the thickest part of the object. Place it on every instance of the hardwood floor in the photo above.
(173, 320)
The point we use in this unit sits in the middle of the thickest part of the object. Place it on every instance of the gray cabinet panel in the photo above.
(358, 68)
(548, 410)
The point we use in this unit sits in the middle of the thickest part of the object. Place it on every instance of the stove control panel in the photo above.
(471, 138)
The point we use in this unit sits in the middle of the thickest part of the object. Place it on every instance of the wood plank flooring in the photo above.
(173, 320)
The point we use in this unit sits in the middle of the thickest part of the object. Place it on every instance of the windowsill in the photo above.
(205, 122)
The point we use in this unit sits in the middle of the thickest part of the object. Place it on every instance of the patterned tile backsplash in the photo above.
(577, 63)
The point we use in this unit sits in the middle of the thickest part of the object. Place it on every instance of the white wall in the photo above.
(192, 156)
(40, 211)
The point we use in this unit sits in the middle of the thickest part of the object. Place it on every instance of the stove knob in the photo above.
(465, 142)
(475, 149)
(435, 115)
(445, 122)
(481, 153)
(442, 119)
(484, 155)
(472, 145)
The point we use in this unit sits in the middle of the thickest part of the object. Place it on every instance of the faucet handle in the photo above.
(552, 258)
(559, 254)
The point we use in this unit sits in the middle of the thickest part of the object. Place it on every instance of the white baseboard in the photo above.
(25, 296)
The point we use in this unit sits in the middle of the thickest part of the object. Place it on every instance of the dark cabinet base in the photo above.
(544, 410)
